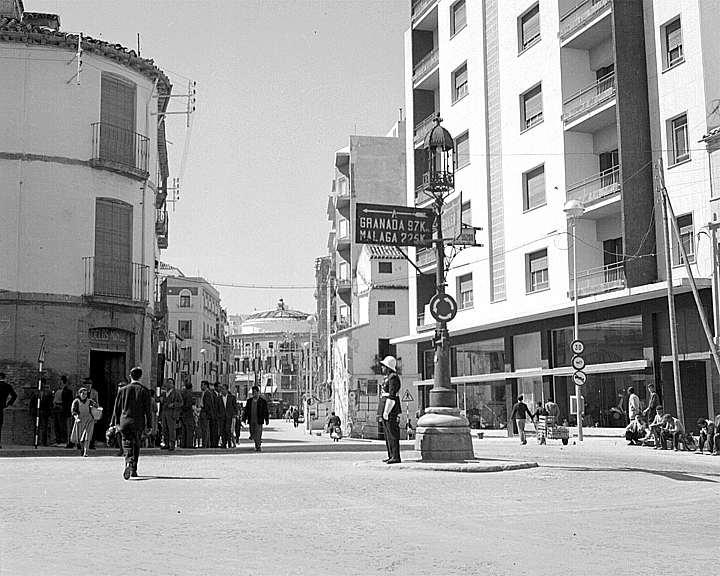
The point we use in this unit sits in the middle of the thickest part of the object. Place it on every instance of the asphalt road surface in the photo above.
(306, 505)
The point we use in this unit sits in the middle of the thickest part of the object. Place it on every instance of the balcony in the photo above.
(422, 129)
(599, 280)
(425, 257)
(425, 66)
(596, 98)
(116, 279)
(420, 8)
(422, 325)
(577, 23)
(161, 223)
(343, 285)
(120, 150)
(342, 242)
(595, 188)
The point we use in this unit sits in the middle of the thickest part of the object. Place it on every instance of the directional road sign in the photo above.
(579, 378)
(393, 225)
(443, 307)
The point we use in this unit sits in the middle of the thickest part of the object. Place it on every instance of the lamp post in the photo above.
(442, 432)
(311, 320)
(574, 209)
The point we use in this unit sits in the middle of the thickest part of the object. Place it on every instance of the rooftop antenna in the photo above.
(138, 44)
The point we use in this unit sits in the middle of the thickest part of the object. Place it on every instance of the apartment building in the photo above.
(83, 174)
(550, 101)
(197, 346)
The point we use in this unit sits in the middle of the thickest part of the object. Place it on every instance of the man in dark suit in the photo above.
(228, 409)
(255, 413)
(132, 416)
(187, 421)
(7, 397)
(170, 406)
(215, 419)
(207, 413)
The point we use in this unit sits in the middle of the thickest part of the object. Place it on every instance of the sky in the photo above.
(280, 87)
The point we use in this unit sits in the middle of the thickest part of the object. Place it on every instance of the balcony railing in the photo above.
(422, 129)
(120, 150)
(161, 223)
(116, 279)
(426, 64)
(596, 187)
(599, 280)
(589, 98)
(419, 7)
(580, 15)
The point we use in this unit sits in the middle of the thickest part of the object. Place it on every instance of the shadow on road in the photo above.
(142, 478)
(670, 474)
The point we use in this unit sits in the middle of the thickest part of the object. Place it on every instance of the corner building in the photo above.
(548, 102)
(83, 173)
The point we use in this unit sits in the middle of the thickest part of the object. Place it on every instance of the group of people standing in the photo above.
(521, 413)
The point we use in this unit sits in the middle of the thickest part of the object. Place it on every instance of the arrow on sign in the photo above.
(394, 213)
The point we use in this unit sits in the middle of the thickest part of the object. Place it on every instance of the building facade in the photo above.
(83, 174)
(550, 102)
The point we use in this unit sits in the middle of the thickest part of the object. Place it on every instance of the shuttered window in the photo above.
(532, 107)
(113, 247)
(673, 40)
(460, 82)
(687, 237)
(537, 266)
(458, 17)
(534, 188)
(465, 291)
(530, 27)
(680, 144)
(462, 150)
(117, 120)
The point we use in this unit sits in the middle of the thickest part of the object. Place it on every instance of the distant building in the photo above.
(83, 175)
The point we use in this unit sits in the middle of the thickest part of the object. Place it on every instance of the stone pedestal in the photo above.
(443, 435)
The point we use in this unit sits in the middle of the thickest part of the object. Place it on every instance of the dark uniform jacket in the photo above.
(6, 391)
(262, 410)
(132, 408)
(393, 388)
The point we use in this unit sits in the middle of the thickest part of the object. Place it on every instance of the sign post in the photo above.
(41, 361)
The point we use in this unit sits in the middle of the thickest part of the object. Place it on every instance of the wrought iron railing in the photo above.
(426, 64)
(589, 98)
(422, 129)
(596, 187)
(419, 7)
(116, 279)
(599, 280)
(580, 15)
(120, 150)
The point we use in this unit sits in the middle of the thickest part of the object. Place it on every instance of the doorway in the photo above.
(107, 370)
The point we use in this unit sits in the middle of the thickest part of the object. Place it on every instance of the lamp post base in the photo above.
(443, 435)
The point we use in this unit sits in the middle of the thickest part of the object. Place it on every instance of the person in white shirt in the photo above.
(633, 404)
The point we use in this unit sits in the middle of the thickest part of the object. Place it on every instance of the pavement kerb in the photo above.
(473, 466)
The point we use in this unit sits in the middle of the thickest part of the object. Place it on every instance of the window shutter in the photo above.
(533, 105)
(538, 262)
(462, 150)
(459, 16)
(535, 187)
(674, 35)
(461, 78)
(531, 26)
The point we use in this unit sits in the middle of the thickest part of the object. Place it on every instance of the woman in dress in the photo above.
(84, 425)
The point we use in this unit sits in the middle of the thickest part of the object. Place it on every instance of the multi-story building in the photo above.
(83, 173)
(277, 351)
(362, 314)
(197, 348)
(555, 101)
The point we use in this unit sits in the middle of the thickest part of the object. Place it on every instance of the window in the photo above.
(458, 17)
(534, 188)
(185, 299)
(687, 238)
(342, 186)
(531, 107)
(385, 267)
(460, 82)
(385, 348)
(113, 269)
(344, 315)
(537, 271)
(344, 272)
(679, 147)
(462, 150)
(117, 119)
(465, 292)
(185, 328)
(673, 44)
(343, 229)
(386, 308)
(529, 28)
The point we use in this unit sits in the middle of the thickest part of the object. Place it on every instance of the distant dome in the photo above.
(278, 313)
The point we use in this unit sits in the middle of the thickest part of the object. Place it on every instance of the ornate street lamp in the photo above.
(442, 432)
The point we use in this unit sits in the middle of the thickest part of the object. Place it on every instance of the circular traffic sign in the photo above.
(579, 378)
(577, 347)
(578, 362)
(443, 307)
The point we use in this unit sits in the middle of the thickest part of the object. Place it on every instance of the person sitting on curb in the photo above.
(636, 431)
(657, 429)
(707, 434)
(675, 430)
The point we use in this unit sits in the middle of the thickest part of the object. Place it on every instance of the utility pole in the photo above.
(671, 297)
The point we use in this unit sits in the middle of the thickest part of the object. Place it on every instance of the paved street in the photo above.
(306, 505)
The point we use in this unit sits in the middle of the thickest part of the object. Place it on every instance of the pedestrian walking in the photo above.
(295, 416)
(7, 398)
(228, 410)
(133, 418)
(391, 409)
(83, 421)
(255, 413)
(187, 420)
(520, 413)
(170, 406)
